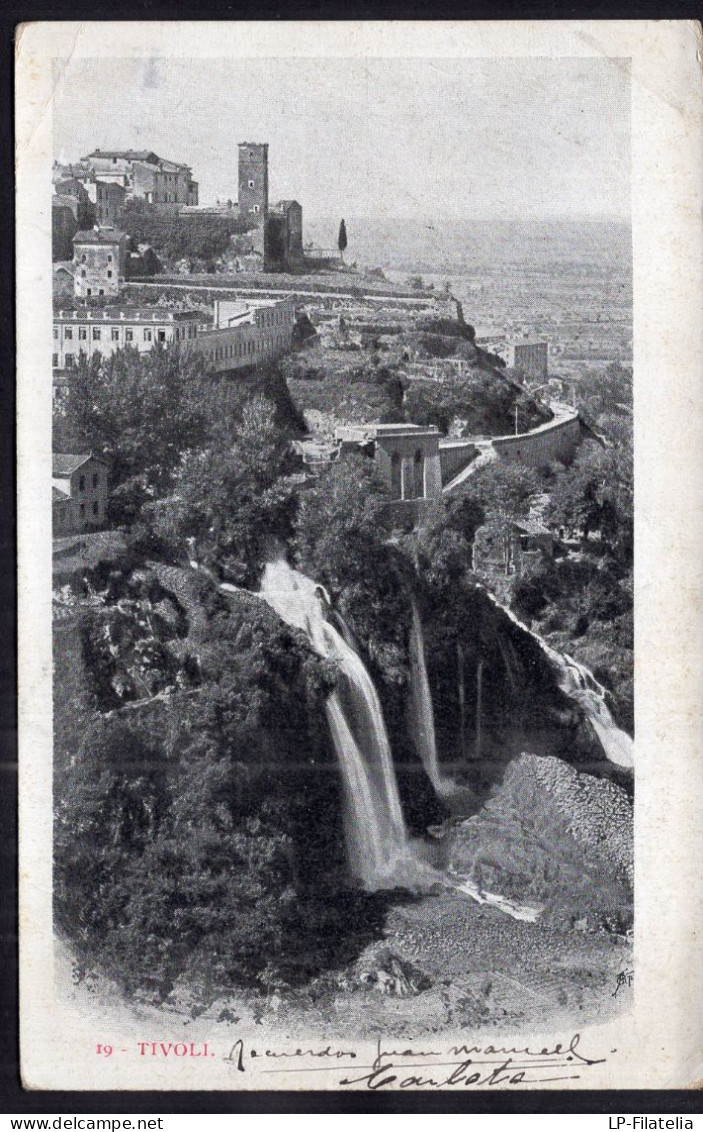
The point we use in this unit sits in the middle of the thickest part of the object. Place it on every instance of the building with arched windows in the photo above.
(407, 459)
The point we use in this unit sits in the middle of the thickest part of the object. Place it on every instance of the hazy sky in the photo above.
(402, 137)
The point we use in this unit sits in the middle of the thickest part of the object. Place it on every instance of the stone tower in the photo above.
(254, 187)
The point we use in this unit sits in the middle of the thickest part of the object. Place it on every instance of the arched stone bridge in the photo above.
(418, 466)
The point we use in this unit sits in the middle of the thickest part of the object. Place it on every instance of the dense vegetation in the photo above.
(367, 377)
(193, 847)
(198, 239)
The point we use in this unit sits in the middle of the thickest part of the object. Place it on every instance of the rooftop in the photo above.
(64, 463)
(125, 154)
(532, 526)
(65, 200)
(99, 236)
(59, 496)
(365, 432)
(127, 314)
(146, 155)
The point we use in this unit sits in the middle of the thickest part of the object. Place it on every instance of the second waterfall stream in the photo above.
(380, 852)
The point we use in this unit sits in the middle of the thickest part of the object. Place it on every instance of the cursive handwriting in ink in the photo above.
(481, 1066)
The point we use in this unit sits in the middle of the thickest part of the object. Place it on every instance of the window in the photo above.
(147, 335)
(96, 331)
(396, 488)
(418, 475)
(68, 332)
(256, 208)
(82, 510)
(109, 259)
(129, 334)
(161, 335)
(69, 361)
(95, 479)
(115, 334)
(83, 259)
(55, 360)
(89, 290)
(83, 273)
(101, 292)
(95, 508)
(56, 332)
(251, 184)
(82, 333)
(81, 484)
(109, 275)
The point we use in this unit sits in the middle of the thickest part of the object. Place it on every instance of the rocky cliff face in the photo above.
(552, 838)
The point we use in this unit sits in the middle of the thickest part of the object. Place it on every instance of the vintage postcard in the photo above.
(359, 485)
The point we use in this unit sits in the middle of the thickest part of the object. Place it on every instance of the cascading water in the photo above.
(380, 854)
(421, 699)
(580, 685)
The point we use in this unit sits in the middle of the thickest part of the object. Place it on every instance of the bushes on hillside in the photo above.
(197, 238)
(181, 849)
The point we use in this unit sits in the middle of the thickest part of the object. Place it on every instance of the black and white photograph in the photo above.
(342, 749)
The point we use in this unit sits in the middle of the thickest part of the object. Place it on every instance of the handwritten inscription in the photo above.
(414, 1067)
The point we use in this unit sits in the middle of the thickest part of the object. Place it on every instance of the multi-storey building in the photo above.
(530, 356)
(85, 204)
(284, 236)
(99, 259)
(79, 492)
(254, 180)
(108, 329)
(64, 225)
(242, 333)
(247, 332)
(278, 232)
(109, 201)
(145, 175)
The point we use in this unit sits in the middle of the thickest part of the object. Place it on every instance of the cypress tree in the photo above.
(342, 238)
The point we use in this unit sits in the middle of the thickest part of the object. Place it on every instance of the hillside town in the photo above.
(100, 307)
(342, 579)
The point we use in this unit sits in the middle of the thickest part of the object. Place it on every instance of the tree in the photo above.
(141, 412)
(201, 238)
(342, 238)
(338, 524)
(505, 493)
(175, 842)
(230, 497)
(595, 496)
(342, 542)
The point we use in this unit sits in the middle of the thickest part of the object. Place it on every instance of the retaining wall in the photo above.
(454, 456)
(556, 440)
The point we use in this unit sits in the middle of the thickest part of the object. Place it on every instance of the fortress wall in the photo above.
(453, 458)
(557, 441)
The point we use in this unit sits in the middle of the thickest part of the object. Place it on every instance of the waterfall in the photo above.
(580, 685)
(421, 699)
(380, 854)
